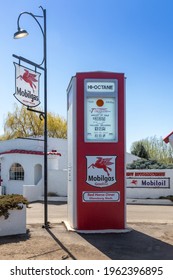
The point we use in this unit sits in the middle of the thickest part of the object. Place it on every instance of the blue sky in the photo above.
(130, 36)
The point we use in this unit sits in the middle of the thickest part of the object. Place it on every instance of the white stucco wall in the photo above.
(171, 140)
(57, 182)
(33, 183)
(37, 145)
(130, 158)
(28, 163)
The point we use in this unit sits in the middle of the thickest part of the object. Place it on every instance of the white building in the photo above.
(22, 171)
(22, 167)
(169, 139)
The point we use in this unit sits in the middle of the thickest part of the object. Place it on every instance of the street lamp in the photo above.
(21, 33)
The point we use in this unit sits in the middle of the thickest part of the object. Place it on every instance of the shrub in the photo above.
(52, 194)
(148, 164)
(170, 197)
(10, 202)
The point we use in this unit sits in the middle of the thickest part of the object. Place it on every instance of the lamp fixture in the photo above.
(21, 33)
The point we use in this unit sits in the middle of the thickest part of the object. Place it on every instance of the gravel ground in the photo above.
(144, 241)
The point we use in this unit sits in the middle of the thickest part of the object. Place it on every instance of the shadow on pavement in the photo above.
(15, 238)
(60, 244)
(49, 202)
(133, 245)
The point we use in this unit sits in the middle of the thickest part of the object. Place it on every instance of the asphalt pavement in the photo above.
(150, 235)
(138, 211)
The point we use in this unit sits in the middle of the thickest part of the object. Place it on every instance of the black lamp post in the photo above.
(21, 33)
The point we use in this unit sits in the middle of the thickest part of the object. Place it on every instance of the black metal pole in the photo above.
(45, 126)
(43, 30)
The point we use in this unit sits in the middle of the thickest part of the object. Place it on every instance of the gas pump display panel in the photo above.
(100, 119)
(101, 111)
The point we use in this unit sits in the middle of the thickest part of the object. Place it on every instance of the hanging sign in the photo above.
(26, 86)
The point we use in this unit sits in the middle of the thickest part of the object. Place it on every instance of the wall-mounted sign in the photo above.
(144, 182)
(26, 86)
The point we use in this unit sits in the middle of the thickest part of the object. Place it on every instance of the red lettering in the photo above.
(149, 174)
(129, 173)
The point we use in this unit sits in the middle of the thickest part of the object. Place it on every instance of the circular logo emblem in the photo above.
(100, 102)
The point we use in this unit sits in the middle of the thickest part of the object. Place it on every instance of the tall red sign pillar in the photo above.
(96, 151)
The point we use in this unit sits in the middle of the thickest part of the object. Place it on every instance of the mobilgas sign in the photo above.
(101, 171)
(27, 86)
(151, 182)
(100, 86)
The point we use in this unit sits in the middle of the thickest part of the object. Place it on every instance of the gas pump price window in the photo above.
(101, 111)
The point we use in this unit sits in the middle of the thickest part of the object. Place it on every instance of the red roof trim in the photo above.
(166, 139)
(29, 152)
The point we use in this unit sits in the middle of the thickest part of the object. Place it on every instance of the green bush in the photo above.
(148, 164)
(10, 202)
(170, 197)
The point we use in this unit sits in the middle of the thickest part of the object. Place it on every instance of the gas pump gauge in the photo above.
(101, 111)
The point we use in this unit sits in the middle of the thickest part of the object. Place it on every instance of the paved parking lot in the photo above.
(151, 237)
(57, 212)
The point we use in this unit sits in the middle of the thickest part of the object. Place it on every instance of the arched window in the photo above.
(16, 172)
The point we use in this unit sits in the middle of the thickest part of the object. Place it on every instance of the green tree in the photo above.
(139, 150)
(25, 123)
(156, 149)
(57, 126)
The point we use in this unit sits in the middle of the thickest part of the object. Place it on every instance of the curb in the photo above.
(149, 201)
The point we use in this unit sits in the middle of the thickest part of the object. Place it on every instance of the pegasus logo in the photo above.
(103, 163)
(99, 173)
(29, 78)
(134, 182)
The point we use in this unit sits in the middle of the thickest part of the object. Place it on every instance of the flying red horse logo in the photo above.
(134, 182)
(29, 78)
(103, 163)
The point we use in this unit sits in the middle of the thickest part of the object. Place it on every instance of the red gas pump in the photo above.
(96, 151)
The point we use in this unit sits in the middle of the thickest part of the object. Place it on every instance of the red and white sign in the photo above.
(145, 182)
(101, 171)
(147, 179)
(101, 196)
(27, 86)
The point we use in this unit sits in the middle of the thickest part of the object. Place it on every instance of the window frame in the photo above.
(16, 172)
